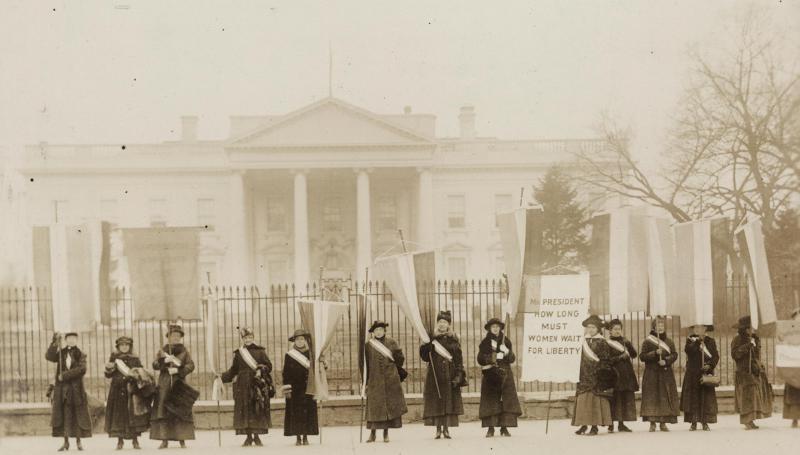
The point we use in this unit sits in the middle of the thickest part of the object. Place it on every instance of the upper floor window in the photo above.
(332, 215)
(276, 215)
(456, 216)
(206, 212)
(387, 213)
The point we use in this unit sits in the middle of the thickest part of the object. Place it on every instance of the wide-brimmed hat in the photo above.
(175, 328)
(610, 324)
(377, 324)
(744, 323)
(446, 315)
(492, 322)
(300, 333)
(593, 320)
(123, 340)
(244, 331)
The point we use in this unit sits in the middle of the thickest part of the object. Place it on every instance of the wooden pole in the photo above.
(547, 418)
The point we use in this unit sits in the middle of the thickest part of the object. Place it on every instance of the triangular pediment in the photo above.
(329, 122)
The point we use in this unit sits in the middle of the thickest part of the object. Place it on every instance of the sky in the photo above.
(124, 71)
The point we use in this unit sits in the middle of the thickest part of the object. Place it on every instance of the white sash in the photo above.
(171, 358)
(588, 351)
(122, 367)
(659, 343)
(299, 357)
(616, 345)
(381, 348)
(248, 358)
(442, 351)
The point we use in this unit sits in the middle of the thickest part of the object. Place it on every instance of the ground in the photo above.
(727, 437)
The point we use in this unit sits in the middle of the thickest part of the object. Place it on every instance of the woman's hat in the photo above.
(124, 340)
(610, 324)
(377, 324)
(300, 333)
(175, 328)
(244, 331)
(593, 320)
(446, 315)
(744, 323)
(492, 322)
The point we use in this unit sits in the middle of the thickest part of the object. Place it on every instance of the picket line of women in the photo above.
(605, 394)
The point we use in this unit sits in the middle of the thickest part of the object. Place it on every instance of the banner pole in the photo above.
(547, 418)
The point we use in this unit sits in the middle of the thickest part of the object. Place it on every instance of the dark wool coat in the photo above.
(300, 417)
(699, 403)
(247, 417)
(753, 392)
(121, 421)
(626, 380)
(659, 390)
(589, 377)
(164, 424)
(385, 399)
(70, 405)
(447, 376)
(498, 391)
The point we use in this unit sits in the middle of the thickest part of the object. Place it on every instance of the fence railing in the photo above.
(24, 313)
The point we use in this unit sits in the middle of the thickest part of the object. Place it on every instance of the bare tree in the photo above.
(734, 148)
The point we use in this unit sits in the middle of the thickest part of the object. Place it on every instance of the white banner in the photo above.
(551, 348)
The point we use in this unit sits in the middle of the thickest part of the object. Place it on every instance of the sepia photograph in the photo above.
(400, 227)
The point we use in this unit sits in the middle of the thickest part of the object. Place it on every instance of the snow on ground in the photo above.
(727, 437)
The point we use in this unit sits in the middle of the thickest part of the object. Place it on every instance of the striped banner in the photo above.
(618, 264)
(750, 239)
(521, 233)
(661, 266)
(74, 264)
(702, 255)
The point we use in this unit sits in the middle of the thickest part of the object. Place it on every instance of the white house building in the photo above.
(328, 185)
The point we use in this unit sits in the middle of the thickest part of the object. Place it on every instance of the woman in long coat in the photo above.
(70, 418)
(592, 407)
(173, 363)
(499, 402)
(444, 379)
(250, 373)
(791, 395)
(626, 384)
(699, 402)
(300, 417)
(660, 403)
(752, 391)
(121, 420)
(385, 401)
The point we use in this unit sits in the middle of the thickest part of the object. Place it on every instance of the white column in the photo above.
(425, 222)
(301, 259)
(238, 267)
(363, 223)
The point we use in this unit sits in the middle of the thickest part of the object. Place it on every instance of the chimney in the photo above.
(407, 110)
(466, 119)
(189, 128)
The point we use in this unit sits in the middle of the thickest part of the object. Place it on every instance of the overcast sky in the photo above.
(101, 72)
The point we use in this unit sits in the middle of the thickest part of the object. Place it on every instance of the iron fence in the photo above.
(25, 375)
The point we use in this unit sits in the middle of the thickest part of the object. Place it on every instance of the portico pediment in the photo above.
(329, 122)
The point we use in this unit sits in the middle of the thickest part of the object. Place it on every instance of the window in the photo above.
(206, 212)
(278, 272)
(108, 211)
(60, 211)
(276, 215)
(387, 213)
(158, 212)
(455, 212)
(332, 215)
(502, 203)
